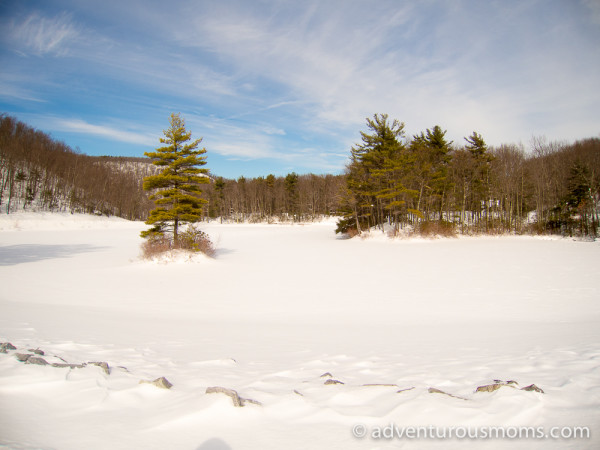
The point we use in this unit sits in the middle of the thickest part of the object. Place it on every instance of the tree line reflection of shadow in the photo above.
(11, 255)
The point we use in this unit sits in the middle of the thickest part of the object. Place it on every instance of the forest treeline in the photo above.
(38, 172)
(428, 184)
(293, 198)
(422, 183)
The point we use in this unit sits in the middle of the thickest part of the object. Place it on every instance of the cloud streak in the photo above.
(107, 132)
(45, 35)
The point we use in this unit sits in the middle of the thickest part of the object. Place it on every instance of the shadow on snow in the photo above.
(26, 253)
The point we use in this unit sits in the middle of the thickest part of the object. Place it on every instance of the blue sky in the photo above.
(277, 86)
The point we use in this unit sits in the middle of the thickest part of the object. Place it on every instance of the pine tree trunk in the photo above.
(175, 230)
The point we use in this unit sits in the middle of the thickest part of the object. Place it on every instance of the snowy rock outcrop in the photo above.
(433, 390)
(102, 364)
(6, 346)
(238, 401)
(161, 382)
(511, 383)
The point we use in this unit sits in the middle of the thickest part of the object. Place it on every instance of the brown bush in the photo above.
(439, 228)
(192, 240)
(155, 245)
(351, 232)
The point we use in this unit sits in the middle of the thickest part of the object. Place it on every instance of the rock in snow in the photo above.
(5, 346)
(532, 387)
(491, 387)
(161, 382)
(238, 401)
(404, 390)
(433, 390)
(101, 364)
(70, 366)
(36, 360)
(511, 383)
(23, 357)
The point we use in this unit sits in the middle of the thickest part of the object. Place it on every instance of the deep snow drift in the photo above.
(280, 306)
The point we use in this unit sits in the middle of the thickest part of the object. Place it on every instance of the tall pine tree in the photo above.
(375, 191)
(176, 189)
(432, 152)
(480, 177)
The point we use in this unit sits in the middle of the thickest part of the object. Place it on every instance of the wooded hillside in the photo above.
(40, 173)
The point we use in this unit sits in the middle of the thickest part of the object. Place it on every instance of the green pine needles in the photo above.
(176, 189)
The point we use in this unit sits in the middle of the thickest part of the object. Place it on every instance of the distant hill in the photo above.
(38, 173)
(41, 174)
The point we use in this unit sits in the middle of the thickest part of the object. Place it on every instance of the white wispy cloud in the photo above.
(243, 143)
(14, 90)
(423, 63)
(227, 139)
(42, 35)
(104, 131)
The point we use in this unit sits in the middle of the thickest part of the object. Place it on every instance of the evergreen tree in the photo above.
(270, 182)
(376, 191)
(176, 190)
(431, 150)
(480, 178)
(579, 200)
(579, 187)
(291, 193)
(220, 199)
(476, 145)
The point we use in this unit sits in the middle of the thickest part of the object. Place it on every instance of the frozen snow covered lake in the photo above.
(280, 306)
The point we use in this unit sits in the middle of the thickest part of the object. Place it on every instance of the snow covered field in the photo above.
(280, 306)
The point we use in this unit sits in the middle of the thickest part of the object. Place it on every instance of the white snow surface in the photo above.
(278, 307)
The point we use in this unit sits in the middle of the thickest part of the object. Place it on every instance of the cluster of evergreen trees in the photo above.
(426, 180)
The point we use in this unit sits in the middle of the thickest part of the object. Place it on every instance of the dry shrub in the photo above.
(351, 232)
(438, 228)
(155, 245)
(192, 240)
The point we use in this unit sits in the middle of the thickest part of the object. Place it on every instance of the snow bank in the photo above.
(275, 310)
(60, 221)
(178, 257)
